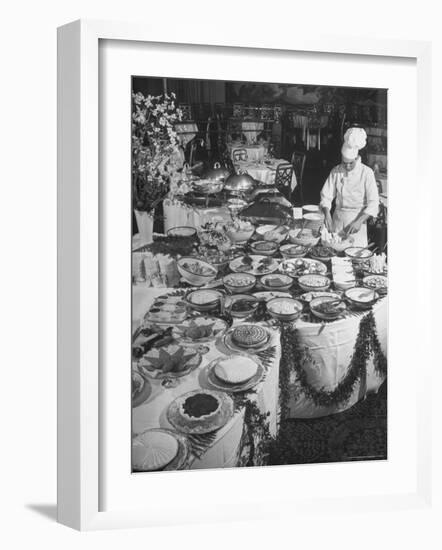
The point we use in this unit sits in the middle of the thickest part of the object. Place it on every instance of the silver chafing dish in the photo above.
(218, 172)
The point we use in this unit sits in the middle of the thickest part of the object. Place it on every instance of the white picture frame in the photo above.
(79, 254)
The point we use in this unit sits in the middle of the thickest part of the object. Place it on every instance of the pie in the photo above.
(249, 336)
(236, 369)
(153, 450)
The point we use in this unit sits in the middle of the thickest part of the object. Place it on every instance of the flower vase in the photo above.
(145, 226)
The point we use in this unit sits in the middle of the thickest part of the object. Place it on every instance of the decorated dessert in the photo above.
(249, 336)
(172, 360)
(153, 450)
(236, 369)
(200, 411)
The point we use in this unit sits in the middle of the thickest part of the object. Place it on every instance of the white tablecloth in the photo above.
(178, 214)
(254, 152)
(331, 348)
(264, 172)
(224, 451)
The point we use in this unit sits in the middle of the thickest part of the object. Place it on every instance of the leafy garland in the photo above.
(294, 357)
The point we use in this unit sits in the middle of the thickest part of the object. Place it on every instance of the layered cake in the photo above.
(249, 336)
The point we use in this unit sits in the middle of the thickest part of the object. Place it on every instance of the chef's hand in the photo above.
(328, 222)
(353, 227)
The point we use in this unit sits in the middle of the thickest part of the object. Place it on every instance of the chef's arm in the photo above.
(328, 193)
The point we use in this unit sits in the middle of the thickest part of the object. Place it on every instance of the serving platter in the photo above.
(183, 331)
(167, 310)
(302, 266)
(259, 265)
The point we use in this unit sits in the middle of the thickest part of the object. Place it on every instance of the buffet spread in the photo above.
(238, 324)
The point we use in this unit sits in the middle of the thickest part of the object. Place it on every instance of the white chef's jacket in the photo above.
(353, 192)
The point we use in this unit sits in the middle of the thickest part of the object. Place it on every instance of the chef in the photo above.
(353, 187)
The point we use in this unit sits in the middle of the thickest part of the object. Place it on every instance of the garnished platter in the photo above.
(254, 264)
(198, 330)
(302, 266)
(172, 361)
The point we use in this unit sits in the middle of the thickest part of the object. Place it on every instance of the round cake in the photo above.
(249, 336)
(201, 408)
(153, 450)
(236, 369)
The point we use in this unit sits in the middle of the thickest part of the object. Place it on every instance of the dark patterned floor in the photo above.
(360, 433)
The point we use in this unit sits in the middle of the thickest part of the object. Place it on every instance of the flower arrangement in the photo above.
(156, 155)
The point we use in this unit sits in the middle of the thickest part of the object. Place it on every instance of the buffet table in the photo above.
(331, 346)
(225, 450)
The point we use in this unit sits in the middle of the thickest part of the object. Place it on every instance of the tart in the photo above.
(153, 450)
(249, 336)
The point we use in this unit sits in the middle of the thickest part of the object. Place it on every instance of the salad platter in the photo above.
(254, 265)
(302, 266)
(199, 329)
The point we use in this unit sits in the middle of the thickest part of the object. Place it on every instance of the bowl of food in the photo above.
(284, 309)
(376, 282)
(239, 283)
(262, 229)
(313, 282)
(327, 309)
(304, 237)
(276, 235)
(241, 305)
(265, 248)
(196, 272)
(360, 297)
(204, 300)
(239, 231)
(276, 281)
(358, 254)
(289, 251)
(322, 253)
(181, 231)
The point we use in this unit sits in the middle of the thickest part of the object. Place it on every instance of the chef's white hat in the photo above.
(354, 139)
(348, 152)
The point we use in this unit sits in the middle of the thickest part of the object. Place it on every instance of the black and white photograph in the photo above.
(259, 274)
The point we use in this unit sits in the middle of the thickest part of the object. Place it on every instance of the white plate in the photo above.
(253, 267)
(270, 294)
